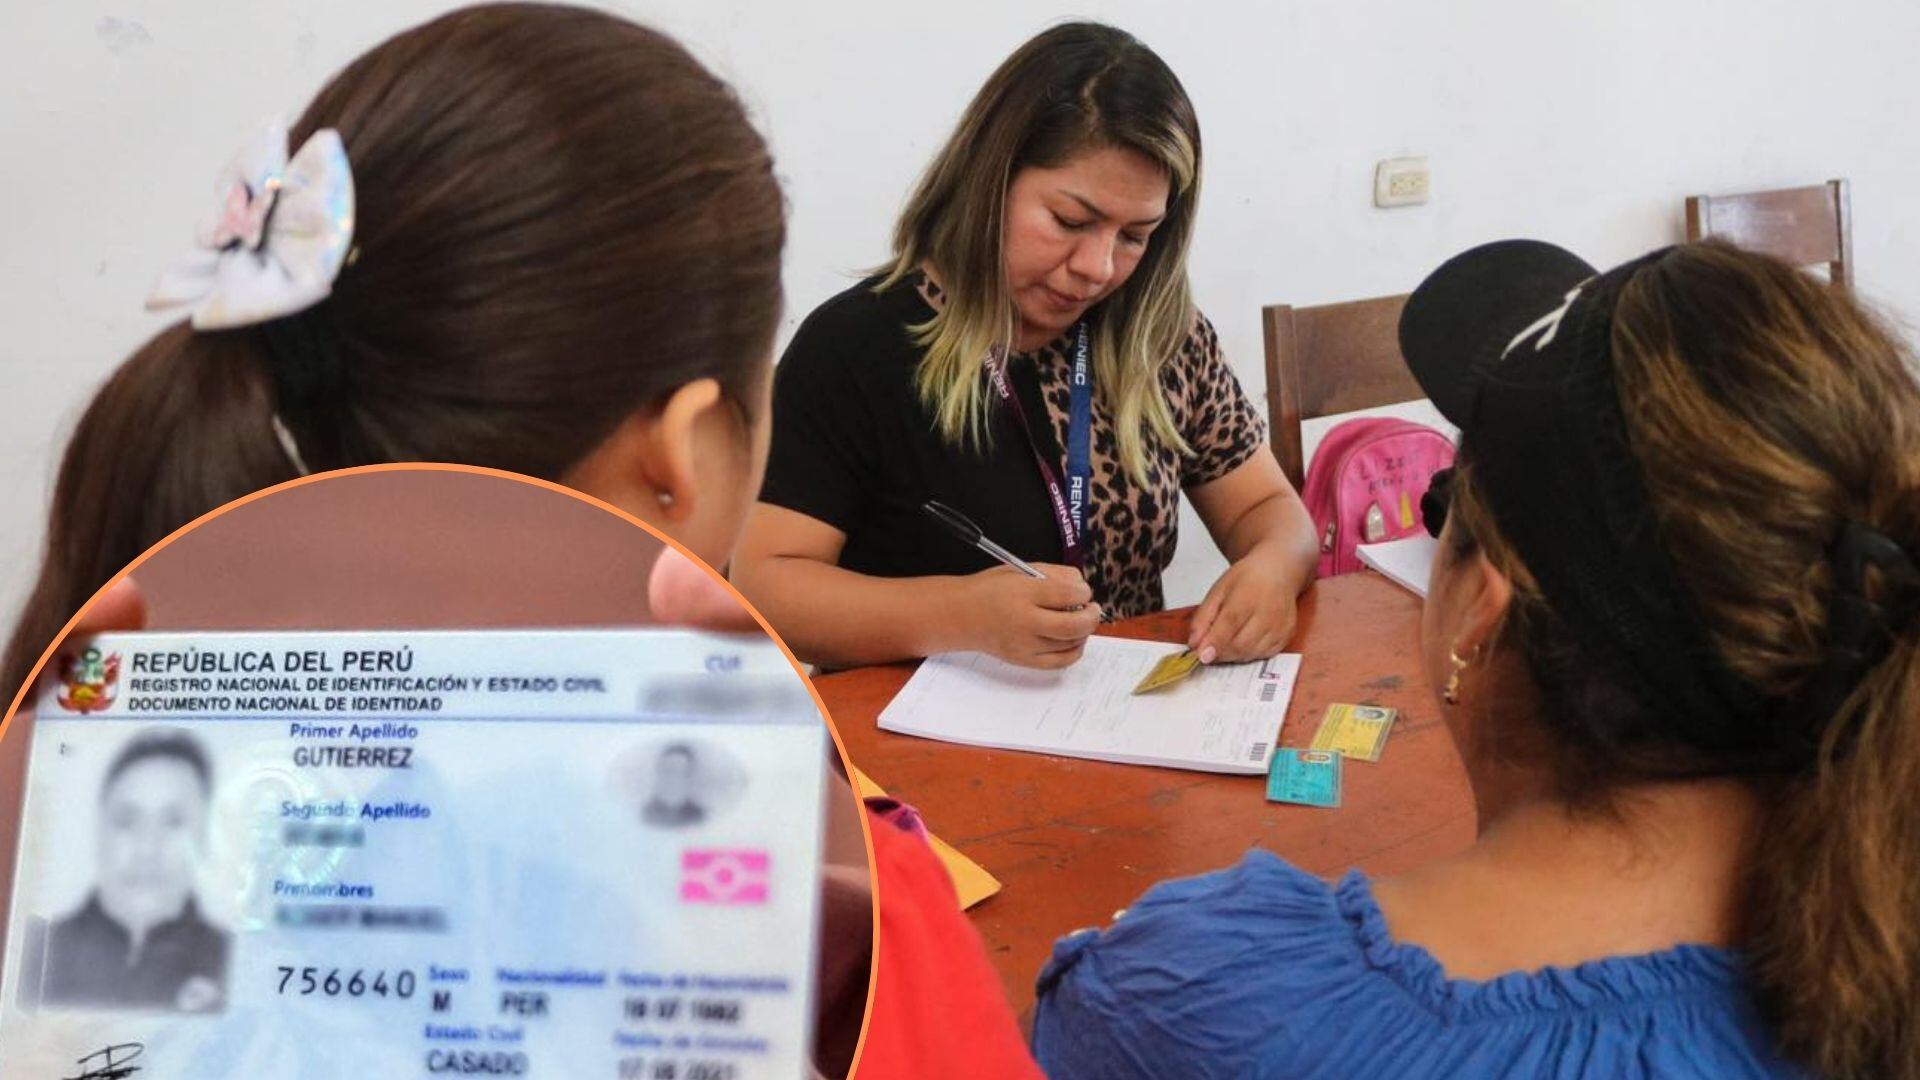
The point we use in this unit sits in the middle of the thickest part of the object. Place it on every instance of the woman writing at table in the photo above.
(1048, 238)
(1676, 618)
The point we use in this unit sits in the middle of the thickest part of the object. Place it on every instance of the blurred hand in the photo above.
(121, 607)
(681, 592)
(1032, 622)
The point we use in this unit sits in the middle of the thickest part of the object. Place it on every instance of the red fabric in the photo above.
(938, 1010)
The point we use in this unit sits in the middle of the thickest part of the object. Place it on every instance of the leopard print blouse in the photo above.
(1133, 528)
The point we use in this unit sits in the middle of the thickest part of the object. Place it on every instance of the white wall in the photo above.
(1583, 123)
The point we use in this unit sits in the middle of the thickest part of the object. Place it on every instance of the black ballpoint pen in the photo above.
(962, 526)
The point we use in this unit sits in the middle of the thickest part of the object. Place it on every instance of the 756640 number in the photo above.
(308, 981)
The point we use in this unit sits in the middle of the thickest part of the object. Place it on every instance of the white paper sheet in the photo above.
(1408, 563)
(1223, 718)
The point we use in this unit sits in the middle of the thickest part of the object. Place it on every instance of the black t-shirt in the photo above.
(91, 962)
(854, 447)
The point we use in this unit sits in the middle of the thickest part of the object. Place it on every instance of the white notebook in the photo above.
(1223, 718)
(1407, 563)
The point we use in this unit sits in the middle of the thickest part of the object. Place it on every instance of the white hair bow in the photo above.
(278, 240)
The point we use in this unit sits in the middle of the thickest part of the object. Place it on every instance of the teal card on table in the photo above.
(1307, 777)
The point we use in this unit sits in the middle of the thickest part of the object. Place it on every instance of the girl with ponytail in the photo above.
(546, 241)
(1675, 624)
(538, 238)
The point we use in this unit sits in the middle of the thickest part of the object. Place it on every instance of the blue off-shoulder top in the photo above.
(1264, 970)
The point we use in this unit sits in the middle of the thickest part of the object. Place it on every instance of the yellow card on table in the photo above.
(1359, 732)
(970, 879)
(1171, 669)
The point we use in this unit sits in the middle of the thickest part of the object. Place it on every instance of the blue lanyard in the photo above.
(1080, 434)
(1068, 501)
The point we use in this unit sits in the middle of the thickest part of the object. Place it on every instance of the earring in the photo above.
(666, 498)
(1451, 695)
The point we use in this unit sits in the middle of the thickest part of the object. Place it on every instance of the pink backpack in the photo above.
(1366, 482)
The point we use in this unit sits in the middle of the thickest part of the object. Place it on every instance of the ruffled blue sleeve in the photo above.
(1263, 970)
(1178, 983)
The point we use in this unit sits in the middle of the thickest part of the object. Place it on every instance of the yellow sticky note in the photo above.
(970, 879)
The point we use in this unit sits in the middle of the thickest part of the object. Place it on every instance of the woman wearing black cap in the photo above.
(1676, 620)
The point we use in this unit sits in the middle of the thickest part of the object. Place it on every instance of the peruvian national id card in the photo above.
(387, 855)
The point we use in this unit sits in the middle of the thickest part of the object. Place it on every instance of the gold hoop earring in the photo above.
(1451, 695)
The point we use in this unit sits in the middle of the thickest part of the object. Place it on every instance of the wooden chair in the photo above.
(1803, 226)
(1331, 358)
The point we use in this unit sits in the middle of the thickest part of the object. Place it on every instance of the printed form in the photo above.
(1222, 718)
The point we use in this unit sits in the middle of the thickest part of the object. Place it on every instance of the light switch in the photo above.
(1401, 182)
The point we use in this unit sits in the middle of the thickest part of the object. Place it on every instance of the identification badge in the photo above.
(387, 855)
(1307, 777)
(1168, 670)
(1358, 732)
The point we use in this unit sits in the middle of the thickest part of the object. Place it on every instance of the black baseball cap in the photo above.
(1512, 341)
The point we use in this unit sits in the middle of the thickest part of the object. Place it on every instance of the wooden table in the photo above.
(1074, 841)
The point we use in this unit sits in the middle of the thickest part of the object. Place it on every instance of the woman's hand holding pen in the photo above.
(1033, 622)
(1032, 614)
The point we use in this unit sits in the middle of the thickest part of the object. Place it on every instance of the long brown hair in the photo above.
(561, 218)
(1767, 412)
(1074, 88)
